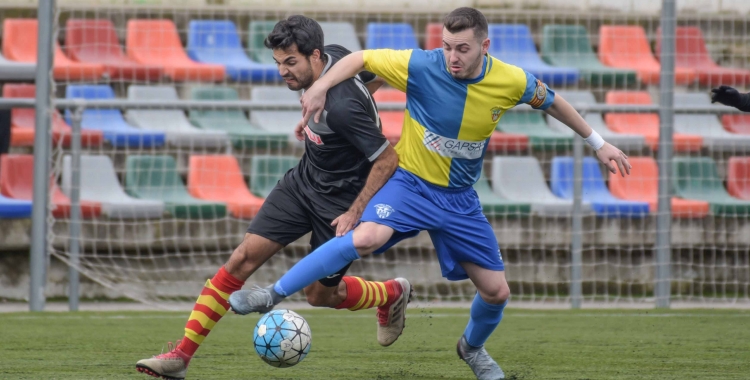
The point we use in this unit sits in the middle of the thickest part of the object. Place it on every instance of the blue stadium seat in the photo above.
(512, 43)
(14, 208)
(594, 189)
(382, 35)
(110, 121)
(217, 41)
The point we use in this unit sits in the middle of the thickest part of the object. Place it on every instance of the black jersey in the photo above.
(340, 149)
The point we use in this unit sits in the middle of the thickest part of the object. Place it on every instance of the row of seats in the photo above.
(215, 186)
(214, 50)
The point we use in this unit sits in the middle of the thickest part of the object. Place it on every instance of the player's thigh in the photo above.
(491, 284)
(283, 217)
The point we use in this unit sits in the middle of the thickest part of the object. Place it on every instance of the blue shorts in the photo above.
(459, 230)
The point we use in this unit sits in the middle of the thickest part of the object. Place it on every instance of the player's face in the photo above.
(464, 53)
(295, 67)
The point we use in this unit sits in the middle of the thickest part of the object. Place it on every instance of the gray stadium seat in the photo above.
(10, 70)
(99, 183)
(596, 121)
(341, 33)
(276, 121)
(707, 126)
(521, 179)
(178, 129)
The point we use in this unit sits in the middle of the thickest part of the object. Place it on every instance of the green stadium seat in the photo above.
(531, 123)
(569, 46)
(155, 177)
(696, 178)
(493, 204)
(266, 171)
(244, 135)
(258, 31)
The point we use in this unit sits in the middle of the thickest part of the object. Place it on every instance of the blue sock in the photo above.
(328, 259)
(484, 318)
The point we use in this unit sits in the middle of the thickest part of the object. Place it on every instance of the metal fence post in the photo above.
(75, 211)
(576, 249)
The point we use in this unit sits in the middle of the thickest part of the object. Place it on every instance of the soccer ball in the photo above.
(282, 338)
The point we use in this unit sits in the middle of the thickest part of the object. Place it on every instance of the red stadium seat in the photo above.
(20, 44)
(17, 179)
(156, 42)
(737, 123)
(219, 178)
(738, 177)
(434, 36)
(644, 124)
(643, 185)
(691, 53)
(627, 47)
(23, 122)
(95, 41)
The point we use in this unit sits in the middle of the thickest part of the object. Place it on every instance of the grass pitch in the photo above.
(601, 344)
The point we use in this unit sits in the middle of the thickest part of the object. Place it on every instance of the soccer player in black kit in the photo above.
(347, 160)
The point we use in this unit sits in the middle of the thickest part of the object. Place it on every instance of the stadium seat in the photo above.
(399, 36)
(627, 47)
(272, 120)
(644, 124)
(512, 43)
(738, 177)
(156, 42)
(341, 33)
(594, 189)
(257, 33)
(569, 46)
(99, 184)
(16, 71)
(219, 178)
(95, 41)
(178, 130)
(691, 52)
(531, 123)
(696, 178)
(242, 133)
(433, 36)
(266, 171)
(23, 122)
(116, 131)
(156, 178)
(14, 208)
(495, 205)
(596, 122)
(521, 179)
(739, 124)
(20, 44)
(715, 137)
(216, 41)
(643, 185)
(16, 181)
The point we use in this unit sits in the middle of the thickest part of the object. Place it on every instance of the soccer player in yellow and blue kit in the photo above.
(454, 98)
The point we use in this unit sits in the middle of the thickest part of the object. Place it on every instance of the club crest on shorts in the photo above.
(496, 114)
(383, 210)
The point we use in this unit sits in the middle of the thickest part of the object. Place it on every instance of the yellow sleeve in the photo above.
(391, 65)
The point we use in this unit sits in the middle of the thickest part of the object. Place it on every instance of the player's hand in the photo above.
(313, 102)
(609, 153)
(726, 95)
(299, 130)
(346, 222)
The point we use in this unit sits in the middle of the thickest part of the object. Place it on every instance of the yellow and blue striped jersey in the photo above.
(448, 121)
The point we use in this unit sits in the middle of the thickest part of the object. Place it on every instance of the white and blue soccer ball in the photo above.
(282, 338)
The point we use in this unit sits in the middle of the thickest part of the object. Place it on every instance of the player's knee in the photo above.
(370, 236)
(497, 296)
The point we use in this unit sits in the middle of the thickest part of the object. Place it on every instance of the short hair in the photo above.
(466, 18)
(303, 31)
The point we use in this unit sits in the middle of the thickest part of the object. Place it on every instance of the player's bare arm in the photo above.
(382, 170)
(374, 84)
(606, 152)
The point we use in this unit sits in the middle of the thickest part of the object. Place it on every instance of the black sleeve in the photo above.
(349, 118)
(744, 102)
(367, 77)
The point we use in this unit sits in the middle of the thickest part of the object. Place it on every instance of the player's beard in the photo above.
(303, 80)
(469, 73)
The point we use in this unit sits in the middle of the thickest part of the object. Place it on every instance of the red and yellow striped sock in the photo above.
(361, 294)
(211, 306)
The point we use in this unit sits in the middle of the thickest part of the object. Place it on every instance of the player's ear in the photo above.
(315, 55)
(485, 46)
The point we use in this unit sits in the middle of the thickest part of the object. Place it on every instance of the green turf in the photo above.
(609, 344)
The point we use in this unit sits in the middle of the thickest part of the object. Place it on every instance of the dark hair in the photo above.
(303, 31)
(466, 18)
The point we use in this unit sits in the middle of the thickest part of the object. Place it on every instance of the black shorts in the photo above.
(287, 214)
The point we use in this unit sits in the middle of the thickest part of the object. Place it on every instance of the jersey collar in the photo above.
(329, 63)
(486, 66)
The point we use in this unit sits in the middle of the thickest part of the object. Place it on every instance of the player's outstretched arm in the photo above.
(731, 97)
(606, 152)
(314, 98)
(382, 170)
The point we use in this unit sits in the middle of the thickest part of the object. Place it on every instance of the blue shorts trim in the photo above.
(453, 217)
